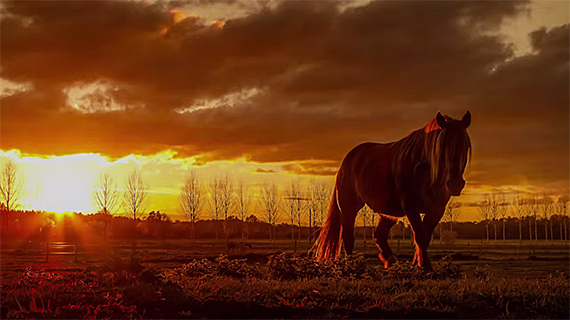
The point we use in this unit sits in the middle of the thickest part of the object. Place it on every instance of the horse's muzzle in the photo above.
(455, 186)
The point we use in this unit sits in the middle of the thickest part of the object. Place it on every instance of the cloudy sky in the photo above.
(275, 90)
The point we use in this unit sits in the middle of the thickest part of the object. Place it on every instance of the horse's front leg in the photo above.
(421, 240)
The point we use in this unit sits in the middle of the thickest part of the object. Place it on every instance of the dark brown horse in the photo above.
(417, 174)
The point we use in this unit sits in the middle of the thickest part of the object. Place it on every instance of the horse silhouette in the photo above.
(417, 174)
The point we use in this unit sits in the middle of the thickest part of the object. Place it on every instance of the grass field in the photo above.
(177, 280)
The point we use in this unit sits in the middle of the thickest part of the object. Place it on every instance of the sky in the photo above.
(275, 91)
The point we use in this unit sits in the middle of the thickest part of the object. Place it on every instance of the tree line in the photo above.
(304, 205)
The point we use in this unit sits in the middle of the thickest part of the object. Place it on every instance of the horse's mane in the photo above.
(426, 145)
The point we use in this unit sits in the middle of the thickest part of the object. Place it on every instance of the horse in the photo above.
(417, 174)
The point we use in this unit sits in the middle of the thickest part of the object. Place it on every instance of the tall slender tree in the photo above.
(292, 195)
(135, 197)
(191, 200)
(546, 213)
(243, 199)
(11, 186)
(215, 203)
(270, 204)
(517, 211)
(452, 212)
(312, 206)
(106, 197)
(502, 206)
(485, 211)
(226, 201)
(365, 214)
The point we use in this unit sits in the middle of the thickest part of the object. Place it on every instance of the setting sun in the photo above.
(63, 184)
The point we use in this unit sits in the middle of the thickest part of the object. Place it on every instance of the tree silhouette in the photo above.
(518, 212)
(452, 212)
(191, 201)
(485, 211)
(270, 205)
(365, 214)
(107, 200)
(243, 199)
(11, 188)
(106, 195)
(135, 198)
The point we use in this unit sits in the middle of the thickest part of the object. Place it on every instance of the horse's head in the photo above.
(454, 150)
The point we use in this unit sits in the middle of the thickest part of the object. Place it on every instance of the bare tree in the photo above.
(531, 208)
(106, 198)
(485, 211)
(107, 195)
(365, 214)
(292, 195)
(324, 196)
(534, 206)
(312, 206)
(518, 212)
(270, 205)
(243, 198)
(452, 212)
(11, 188)
(135, 198)
(502, 212)
(191, 201)
(546, 214)
(226, 201)
(215, 202)
(560, 211)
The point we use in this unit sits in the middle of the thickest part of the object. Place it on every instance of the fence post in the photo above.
(47, 251)
(75, 246)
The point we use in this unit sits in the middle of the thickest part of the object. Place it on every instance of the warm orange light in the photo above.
(64, 186)
(177, 15)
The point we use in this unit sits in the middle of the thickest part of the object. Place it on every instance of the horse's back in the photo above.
(366, 169)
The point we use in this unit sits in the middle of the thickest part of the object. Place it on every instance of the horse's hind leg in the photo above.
(349, 204)
(381, 238)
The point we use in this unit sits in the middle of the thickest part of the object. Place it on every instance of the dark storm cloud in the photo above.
(329, 78)
(525, 103)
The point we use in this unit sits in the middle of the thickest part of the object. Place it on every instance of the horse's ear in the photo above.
(466, 120)
(440, 120)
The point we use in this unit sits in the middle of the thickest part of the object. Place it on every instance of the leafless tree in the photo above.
(270, 205)
(107, 195)
(191, 200)
(530, 208)
(243, 199)
(324, 196)
(494, 212)
(452, 212)
(135, 198)
(226, 201)
(292, 195)
(517, 211)
(560, 211)
(312, 206)
(502, 206)
(485, 211)
(11, 187)
(546, 214)
(534, 207)
(107, 199)
(365, 214)
(215, 203)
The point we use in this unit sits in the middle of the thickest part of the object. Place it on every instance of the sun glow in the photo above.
(64, 184)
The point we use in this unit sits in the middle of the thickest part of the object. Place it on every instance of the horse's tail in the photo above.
(327, 246)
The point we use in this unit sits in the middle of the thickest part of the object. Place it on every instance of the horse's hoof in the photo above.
(388, 262)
